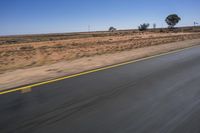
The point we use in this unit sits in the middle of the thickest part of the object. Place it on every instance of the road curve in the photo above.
(158, 95)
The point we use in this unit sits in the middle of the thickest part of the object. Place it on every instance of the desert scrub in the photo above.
(26, 48)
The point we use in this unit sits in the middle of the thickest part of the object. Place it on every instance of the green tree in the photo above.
(172, 20)
(112, 29)
(143, 27)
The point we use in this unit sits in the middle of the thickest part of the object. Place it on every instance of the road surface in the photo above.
(158, 95)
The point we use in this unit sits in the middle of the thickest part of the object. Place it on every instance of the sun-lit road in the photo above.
(158, 95)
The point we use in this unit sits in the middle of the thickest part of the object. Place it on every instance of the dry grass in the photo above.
(31, 54)
(46, 72)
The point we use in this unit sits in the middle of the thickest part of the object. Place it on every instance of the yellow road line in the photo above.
(90, 71)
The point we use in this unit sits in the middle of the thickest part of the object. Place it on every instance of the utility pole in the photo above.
(154, 26)
(195, 24)
(88, 28)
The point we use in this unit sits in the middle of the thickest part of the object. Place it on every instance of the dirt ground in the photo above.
(26, 55)
(25, 63)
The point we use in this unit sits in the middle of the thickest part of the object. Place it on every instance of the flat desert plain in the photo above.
(24, 60)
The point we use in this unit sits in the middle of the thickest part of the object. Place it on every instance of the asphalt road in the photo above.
(158, 95)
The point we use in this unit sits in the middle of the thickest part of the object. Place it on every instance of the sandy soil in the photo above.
(27, 55)
(26, 75)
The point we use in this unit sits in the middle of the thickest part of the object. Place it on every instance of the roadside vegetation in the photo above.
(37, 57)
(37, 50)
(172, 20)
(144, 27)
(112, 29)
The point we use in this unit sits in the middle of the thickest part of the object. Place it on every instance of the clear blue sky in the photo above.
(54, 16)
